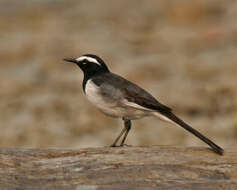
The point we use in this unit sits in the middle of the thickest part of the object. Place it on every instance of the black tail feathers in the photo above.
(181, 123)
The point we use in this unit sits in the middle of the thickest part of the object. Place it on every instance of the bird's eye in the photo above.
(85, 62)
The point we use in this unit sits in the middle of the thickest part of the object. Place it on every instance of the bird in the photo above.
(118, 97)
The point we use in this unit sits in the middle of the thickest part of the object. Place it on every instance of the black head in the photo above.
(90, 64)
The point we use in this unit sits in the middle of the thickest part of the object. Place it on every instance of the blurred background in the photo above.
(183, 52)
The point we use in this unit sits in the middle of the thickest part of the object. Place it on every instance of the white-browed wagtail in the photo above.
(120, 98)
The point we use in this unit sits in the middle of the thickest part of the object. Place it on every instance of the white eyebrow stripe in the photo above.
(90, 59)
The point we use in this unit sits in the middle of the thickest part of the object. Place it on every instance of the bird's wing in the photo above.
(119, 88)
(144, 99)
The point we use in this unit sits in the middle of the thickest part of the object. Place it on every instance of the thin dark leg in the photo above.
(127, 125)
(117, 139)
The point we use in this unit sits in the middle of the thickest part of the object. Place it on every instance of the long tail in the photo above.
(179, 122)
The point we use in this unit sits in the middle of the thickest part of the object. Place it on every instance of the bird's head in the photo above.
(89, 64)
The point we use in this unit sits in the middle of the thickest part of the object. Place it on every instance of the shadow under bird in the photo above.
(120, 98)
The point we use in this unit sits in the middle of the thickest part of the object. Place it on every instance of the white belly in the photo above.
(94, 97)
(111, 108)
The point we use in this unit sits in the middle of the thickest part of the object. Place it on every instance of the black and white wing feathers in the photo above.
(118, 88)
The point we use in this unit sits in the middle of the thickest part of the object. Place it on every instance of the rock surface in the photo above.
(155, 167)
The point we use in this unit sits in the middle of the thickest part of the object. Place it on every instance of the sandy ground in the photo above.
(183, 52)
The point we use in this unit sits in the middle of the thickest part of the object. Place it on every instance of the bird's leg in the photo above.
(126, 129)
(117, 139)
(127, 125)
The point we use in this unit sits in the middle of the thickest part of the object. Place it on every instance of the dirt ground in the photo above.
(183, 52)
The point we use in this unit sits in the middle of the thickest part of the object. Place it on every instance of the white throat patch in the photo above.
(90, 59)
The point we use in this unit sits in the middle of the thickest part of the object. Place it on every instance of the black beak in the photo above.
(71, 60)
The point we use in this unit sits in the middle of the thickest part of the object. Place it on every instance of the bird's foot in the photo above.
(113, 145)
(127, 145)
(121, 145)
